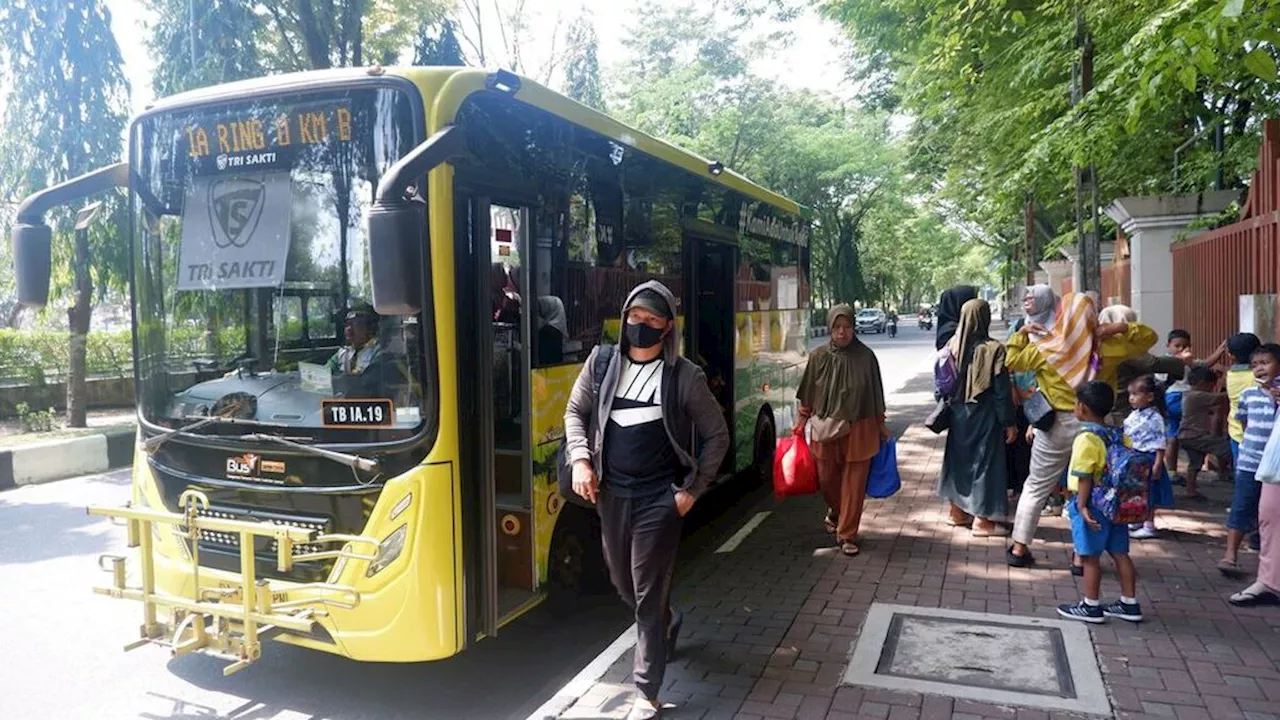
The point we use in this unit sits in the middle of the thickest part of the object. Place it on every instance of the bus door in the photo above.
(710, 322)
(500, 327)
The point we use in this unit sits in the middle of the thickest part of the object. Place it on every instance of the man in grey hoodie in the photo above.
(632, 448)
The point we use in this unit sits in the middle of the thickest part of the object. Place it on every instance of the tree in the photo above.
(438, 45)
(65, 116)
(245, 38)
(989, 88)
(205, 43)
(582, 66)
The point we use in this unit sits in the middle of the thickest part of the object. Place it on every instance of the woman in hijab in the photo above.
(949, 312)
(974, 471)
(1063, 357)
(842, 397)
(1039, 306)
(553, 330)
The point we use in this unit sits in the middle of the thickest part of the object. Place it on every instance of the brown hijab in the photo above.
(843, 382)
(981, 359)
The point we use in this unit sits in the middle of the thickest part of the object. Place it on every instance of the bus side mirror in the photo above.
(397, 225)
(32, 262)
(397, 241)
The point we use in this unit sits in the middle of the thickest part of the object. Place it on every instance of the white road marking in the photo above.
(733, 542)
(566, 696)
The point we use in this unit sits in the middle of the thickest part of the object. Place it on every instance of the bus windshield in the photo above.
(252, 287)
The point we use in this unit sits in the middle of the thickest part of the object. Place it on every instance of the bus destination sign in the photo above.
(264, 137)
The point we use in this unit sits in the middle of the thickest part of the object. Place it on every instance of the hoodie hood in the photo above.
(671, 343)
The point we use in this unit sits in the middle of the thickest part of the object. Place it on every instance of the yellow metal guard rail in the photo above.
(237, 629)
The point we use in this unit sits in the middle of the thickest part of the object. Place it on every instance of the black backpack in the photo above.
(564, 471)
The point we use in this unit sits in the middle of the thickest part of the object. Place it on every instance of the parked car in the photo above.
(872, 320)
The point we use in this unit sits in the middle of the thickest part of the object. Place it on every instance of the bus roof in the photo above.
(529, 92)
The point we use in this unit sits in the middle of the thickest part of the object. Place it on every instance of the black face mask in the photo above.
(642, 336)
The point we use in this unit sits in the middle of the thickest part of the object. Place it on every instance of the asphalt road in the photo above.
(60, 645)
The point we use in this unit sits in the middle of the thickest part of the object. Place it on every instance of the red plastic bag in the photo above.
(794, 470)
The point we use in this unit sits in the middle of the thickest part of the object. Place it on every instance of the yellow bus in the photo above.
(360, 298)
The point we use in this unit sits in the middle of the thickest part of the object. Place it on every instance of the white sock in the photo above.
(1129, 600)
(1091, 602)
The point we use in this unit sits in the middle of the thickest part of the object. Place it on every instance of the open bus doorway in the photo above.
(712, 329)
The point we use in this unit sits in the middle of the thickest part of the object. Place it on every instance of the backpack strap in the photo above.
(603, 357)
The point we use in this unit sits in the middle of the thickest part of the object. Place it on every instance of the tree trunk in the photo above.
(78, 321)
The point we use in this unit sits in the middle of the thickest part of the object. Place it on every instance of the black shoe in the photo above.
(1077, 570)
(1019, 561)
(1083, 611)
(673, 633)
(1131, 612)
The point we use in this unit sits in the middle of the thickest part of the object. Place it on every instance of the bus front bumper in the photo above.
(227, 620)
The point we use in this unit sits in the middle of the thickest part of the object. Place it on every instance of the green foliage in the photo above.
(989, 88)
(437, 45)
(247, 38)
(582, 66)
(204, 43)
(36, 421)
(689, 82)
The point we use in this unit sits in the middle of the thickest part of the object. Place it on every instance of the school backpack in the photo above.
(944, 373)
(1121, 494)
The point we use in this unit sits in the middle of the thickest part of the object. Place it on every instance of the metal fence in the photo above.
(1212, 270)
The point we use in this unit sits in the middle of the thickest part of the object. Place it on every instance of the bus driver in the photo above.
(358, 365)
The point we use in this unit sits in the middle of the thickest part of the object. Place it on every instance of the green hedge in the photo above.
(37, 357)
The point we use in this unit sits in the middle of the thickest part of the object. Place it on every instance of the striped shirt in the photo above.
(1258, 413)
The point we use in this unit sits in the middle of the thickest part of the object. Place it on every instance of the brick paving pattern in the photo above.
(769, 627)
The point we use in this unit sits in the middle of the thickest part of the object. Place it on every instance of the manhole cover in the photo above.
(1032, 662)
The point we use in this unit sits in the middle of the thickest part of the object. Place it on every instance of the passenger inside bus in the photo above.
(360, 367)
(553, 330)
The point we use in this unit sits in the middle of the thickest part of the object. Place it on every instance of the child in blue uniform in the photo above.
(1092, 532)
(1145, 429)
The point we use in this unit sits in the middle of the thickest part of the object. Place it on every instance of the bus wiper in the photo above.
(152, 443)
(355, 462)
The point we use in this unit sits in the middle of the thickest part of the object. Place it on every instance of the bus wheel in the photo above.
(765, 444)
(576, 564)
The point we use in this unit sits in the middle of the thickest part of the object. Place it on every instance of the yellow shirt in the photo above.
(1088, 459)
(1024, 355)
(1239, 379)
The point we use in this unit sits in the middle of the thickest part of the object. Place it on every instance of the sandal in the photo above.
(829, 523)
(1254, 599)
(993, 531)
(1230, 569)
(1195, 497)
(849, 548)
(958, 523)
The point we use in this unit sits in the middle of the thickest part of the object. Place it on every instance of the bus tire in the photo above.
(766, 441)
(576, 566)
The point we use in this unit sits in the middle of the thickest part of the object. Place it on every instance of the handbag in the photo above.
(1269, 466)
(824, 429)
(883, 479)
(795, 472)
(1039, 412)
(939, 420)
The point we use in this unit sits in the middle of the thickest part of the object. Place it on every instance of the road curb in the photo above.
(44, 462)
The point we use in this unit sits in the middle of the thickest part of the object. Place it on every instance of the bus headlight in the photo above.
(388, 550)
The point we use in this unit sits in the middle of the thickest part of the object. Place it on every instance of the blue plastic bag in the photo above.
(883, 480)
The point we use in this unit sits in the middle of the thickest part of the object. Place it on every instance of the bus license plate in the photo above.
(358, 413)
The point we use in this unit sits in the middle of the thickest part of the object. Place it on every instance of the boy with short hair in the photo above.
(1092, 531)
(1240, 377)
(1256, 413)
(1177, 345)
(1196, 436)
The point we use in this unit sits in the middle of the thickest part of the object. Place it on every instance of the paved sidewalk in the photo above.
(769, 627)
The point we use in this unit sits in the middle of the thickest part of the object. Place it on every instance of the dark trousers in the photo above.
(641, 537)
